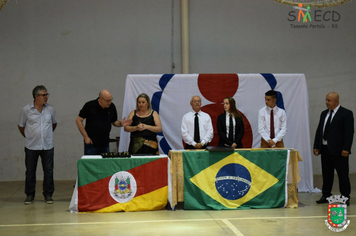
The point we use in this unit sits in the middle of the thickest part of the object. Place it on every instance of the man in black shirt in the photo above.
(100, 114)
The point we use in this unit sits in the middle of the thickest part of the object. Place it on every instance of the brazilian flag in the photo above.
(238, 180)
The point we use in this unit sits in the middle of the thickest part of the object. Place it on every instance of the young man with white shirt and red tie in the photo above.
(272, 122)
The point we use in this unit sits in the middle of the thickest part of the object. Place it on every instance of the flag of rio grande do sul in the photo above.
(122, 184)
(235, 180)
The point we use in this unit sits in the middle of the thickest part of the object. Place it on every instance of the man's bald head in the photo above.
(332, 100)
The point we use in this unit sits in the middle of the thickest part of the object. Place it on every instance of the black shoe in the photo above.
(48, 199)
(348, 201)
(29, 199)
(323, 199)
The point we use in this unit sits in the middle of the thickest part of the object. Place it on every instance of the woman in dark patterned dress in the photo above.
(144, 128)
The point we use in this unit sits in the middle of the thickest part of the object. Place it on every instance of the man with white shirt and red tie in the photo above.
(272, 122)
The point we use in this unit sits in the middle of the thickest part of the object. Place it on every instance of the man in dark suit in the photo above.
(333, 140)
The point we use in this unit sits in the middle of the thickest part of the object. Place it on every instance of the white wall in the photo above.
(256, 36)
(76, 48)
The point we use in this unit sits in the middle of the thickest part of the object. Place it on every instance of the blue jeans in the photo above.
(31, 159)
(90, 149)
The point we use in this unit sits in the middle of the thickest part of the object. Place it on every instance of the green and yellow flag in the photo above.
(239, 180)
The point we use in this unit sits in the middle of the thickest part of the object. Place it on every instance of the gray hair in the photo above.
(37, 90)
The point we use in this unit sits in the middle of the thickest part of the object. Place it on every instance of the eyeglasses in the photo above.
(196, 101)
(110, 100)
(44, 95)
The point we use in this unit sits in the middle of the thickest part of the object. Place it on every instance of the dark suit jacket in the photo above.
(239, 131)
(341, 131)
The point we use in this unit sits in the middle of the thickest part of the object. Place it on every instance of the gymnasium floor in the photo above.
(40, 218)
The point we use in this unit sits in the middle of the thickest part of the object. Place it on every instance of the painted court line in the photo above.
(232, 227)
(167, 221)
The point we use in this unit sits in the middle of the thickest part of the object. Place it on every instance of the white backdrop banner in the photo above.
(171, 93)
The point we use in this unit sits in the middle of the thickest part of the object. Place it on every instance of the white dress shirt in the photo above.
(38, 126)
(280, 123)
(205, 128)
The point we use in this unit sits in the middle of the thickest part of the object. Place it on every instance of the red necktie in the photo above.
(272, 124)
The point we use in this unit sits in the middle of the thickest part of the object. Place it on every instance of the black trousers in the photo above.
(31, 159)
(330, 163)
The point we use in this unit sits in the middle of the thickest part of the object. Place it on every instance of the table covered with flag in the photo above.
(171, 94)
(245, 178)
(121, 184)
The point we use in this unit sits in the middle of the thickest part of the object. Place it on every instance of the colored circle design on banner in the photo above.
(215, 87)
(233, 181)
(122, 186)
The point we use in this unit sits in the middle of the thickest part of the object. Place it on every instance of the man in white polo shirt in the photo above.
(37, 122)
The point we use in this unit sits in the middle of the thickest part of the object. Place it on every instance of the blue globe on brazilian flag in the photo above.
(239, 180)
